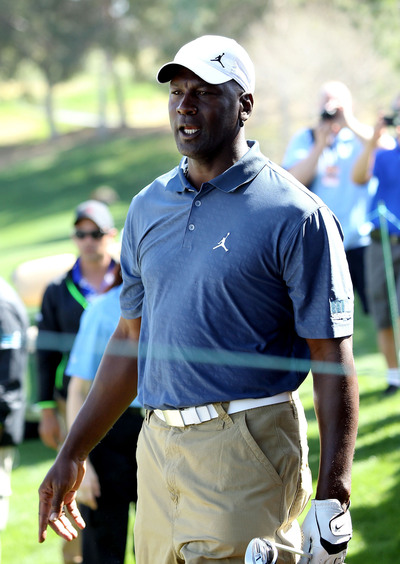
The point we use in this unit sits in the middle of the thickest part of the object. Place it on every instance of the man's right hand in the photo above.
(57, 490)
(50, 429)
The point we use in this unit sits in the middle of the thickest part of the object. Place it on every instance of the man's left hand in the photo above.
(326, 530)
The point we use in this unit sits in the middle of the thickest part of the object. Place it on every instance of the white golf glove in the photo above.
(326, 532)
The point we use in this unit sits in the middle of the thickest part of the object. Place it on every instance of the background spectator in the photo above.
(322, 158)
(13, 365)
(384, 166)
(63, 302)
(109, 486)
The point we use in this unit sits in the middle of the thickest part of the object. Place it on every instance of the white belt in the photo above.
(199, 414)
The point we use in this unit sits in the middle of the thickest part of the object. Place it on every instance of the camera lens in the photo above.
(389, 120)
(329, 114)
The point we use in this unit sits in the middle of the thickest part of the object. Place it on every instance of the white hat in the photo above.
(215, 59)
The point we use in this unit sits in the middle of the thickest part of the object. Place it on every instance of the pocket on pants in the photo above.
(276, 436)
(257, 450)
(304, 482)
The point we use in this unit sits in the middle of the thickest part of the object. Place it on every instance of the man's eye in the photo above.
(202, 93)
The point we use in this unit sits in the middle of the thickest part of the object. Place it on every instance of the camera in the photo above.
(329, 114)
(388, 120)
(392, 120)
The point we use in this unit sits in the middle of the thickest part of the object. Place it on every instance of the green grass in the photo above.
(376, 476)
(37, 197)
(19, 542)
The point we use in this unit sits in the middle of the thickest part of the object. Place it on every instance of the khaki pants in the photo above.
(204, 491)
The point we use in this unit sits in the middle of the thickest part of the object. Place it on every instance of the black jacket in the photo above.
(62, 307)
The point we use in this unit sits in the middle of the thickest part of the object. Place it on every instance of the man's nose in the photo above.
(187, 105)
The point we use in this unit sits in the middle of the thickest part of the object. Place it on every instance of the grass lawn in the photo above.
(37, 197)
(19, 542)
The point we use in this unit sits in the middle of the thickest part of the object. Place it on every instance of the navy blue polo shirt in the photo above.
(387, 172)
(230, 280)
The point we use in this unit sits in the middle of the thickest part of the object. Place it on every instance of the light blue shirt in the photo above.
(333, 184)
(228, 278)
(97, 324)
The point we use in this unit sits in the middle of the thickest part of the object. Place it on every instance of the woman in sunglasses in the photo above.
(63, 303)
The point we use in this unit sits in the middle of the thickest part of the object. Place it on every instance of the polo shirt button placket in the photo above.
(191, 227)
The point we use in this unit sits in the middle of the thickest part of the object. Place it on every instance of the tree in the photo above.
(55, 35)
(115, 35)
(168, 24)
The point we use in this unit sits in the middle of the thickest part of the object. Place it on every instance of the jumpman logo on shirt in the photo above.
(218, 59)
(222, 243)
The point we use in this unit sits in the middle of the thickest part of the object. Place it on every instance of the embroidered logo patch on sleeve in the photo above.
(341, 308)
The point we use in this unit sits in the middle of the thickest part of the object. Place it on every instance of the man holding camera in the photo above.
(322, 158)
(384, 166)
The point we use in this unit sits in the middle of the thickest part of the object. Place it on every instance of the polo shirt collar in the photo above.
(243, 171)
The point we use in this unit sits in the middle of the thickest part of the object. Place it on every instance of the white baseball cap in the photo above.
(215, 59)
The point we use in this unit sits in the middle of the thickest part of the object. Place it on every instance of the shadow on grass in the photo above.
(371, 397)
(375, 510)
(378, 524)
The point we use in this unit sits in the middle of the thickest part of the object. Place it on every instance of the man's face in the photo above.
(91, 243)
(204, 117)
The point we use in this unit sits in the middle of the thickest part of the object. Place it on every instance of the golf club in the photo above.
(263, 551)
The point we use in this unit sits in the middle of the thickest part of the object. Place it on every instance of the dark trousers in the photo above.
(355, 260)
(114, 459)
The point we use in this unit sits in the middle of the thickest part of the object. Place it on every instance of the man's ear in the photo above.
(246, 106)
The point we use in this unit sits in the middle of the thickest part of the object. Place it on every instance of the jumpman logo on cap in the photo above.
(218, 59)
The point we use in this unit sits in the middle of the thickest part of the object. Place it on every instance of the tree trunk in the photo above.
(119, 94)
(102, 99)
(49, 110)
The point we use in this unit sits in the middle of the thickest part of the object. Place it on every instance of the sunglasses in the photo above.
(98, 234)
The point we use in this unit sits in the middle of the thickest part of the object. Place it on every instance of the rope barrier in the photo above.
(63, 342)
(389, 272)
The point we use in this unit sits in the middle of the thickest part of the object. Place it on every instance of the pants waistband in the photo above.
(199, 414)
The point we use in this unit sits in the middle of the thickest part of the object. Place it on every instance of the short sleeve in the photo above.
(132, 294)
(318, 278)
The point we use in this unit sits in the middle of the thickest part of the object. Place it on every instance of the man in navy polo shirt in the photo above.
(234, 276)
